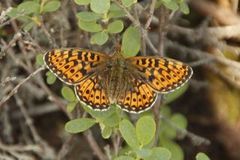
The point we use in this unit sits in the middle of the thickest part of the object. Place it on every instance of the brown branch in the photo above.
(93, 144)
(137, 24)
(196, 140)
(14, 91)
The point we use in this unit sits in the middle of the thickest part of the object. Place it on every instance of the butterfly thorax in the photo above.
(115, 78)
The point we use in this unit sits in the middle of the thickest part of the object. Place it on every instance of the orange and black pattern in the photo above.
(139, 98)
(73, 65)
(131, 83)
(163, 74)
(91, 93)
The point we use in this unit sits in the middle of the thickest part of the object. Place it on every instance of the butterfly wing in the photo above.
(92, 93)
(162, 74)
(73, 65)
(137, 99)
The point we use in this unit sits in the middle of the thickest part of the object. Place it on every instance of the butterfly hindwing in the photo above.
(73, 65)
(137, 99)
(91, 93)
(163, 74)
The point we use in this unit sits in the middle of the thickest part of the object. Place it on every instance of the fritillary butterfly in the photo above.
(131, 83)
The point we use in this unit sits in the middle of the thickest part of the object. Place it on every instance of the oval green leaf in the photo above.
(174, 148)
(131, 41)
(51, 6)
(29, 7)
(202, 156)
(68, 94)
(82, 2)
(90, 26)
(128, 133)
(99, 38)
(100, 6)
(124, 158)
(184, 8)
(179, 120)
(145, 129)
(112, 120)
(39, 59)
(169, 131)
(106, 132)
(176, 94)
(128, 3)
(172, 5)
(88, 16)
(160, 153)
(144, 153)
(115, 27)
(51, 78)
(71, 106)
(79, 125)
(115, 11)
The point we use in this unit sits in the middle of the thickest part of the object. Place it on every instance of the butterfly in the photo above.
(101, 80)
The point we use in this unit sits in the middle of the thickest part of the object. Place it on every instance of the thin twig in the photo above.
(14, 91)
(151, 11)
(137, 24)
(7, 80)
(93, 144)
(197, 140)
(28, 119)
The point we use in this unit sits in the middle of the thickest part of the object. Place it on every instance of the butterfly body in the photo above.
(132, 83)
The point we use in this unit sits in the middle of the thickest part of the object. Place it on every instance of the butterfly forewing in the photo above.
(73, 65)
(162, 74)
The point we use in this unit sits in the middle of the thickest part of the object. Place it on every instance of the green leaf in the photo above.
(100, 115)
(144, 153)
(129, 133)
(160, 153)
(174, 148)
(171, 5)
(100, 6)
(115, 27)
(112, 120)
(51, 78)
(165, 111)
(99, 38)
(89, 26)
(124, 158)
(131, 41)
(51, 6)
(88, 16)
(145, 123)
(179, 120)
(202, 156)
(184, 8)
(170, 132)
(115, 11)
(27, 26)
(79, 125)
(176, 94)
(71, 106)
(29, 7)
(39, 59)
(128, 3)
(68, 94)
(82, 2)
(106, 132)
(13, 12)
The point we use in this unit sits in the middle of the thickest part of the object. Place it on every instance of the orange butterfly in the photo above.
(132, 83)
